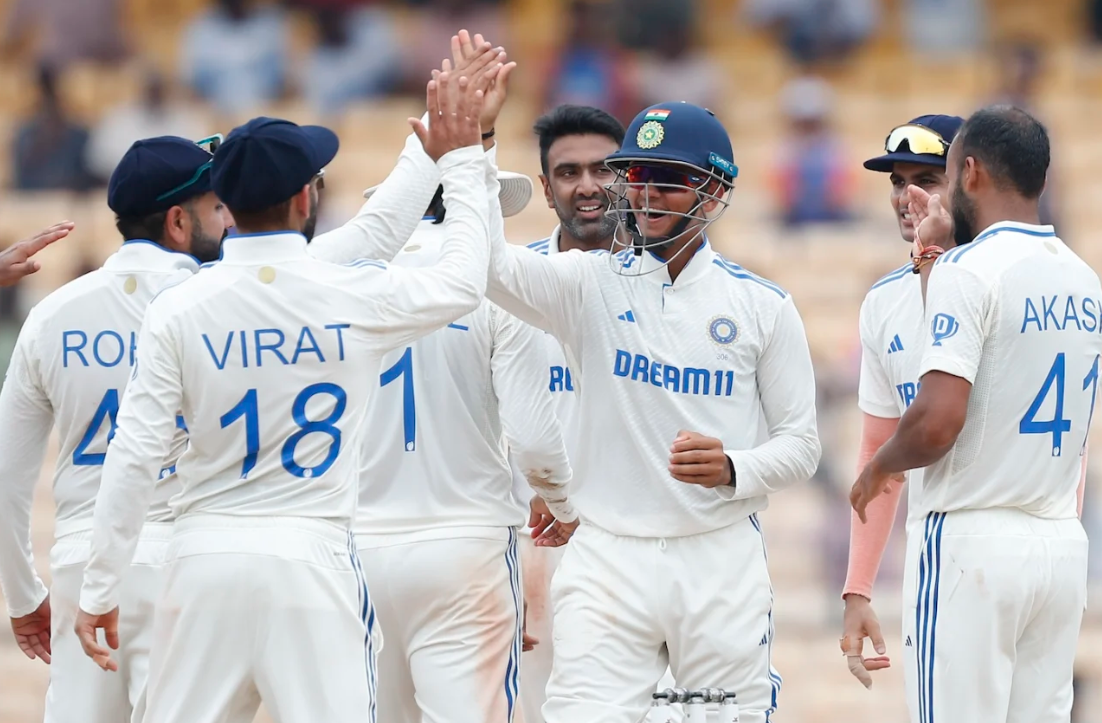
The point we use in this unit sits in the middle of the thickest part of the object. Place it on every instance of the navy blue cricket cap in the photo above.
(267, 161)
(945, 126)
(677, 132)
(156, 174)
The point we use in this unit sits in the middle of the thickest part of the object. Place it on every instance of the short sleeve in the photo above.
(875, 394)
(958, 307)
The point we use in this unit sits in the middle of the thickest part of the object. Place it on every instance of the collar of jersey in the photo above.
(261, 248)
(144, 255)
(699, 265)
(1028, 229)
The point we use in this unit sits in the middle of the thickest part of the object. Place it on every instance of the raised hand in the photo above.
(453, 109)
(16, 261)
(933, 224)
(490, 70)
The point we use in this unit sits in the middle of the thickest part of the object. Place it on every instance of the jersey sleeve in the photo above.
(518, 367)
(143, 438)
(958, 308)
(786, 385)
(413, 302)
(542, 290)
(26, 418)
(874, 387)
(387, 219)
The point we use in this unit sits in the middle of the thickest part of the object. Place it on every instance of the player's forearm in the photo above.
(126, 490)
(915, 444)
(548, 473)
(24, 431)
(783, 461)
(387, 220)
(868, 541)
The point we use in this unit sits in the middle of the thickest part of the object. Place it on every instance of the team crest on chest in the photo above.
(723, 330)
(650, 135)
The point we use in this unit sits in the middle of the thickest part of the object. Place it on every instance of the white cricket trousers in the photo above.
(450, 613)
(625, 607)
(79, 692)
(992, 625)
(253, 609)
(539, 565)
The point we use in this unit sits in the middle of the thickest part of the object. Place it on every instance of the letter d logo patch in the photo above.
(943, 327)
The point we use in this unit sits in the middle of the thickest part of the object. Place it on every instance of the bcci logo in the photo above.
(722, 330)
(943, 327)
(650, 135)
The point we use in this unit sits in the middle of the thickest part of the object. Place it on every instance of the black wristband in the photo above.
(731, 466)
(488, 135)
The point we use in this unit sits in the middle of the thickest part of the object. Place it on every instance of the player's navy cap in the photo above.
(677, 132)
(156, 174)
(267, 161)
(914, 142)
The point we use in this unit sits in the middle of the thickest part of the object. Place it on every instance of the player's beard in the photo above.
(203, 247)
(598, 232)
(964, 217)
(311, 223)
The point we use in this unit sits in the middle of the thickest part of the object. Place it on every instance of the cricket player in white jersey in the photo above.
(272, 356)
(69, 369)
(1009, 376)
(438, 525)
(699, 376)
(574, 142)
(16, 261)
(892, 331)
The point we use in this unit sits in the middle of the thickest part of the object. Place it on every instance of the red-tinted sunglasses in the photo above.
(662, 176)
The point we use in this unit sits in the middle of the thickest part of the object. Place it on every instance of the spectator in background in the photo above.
(48, 152)
(816, 31)
(677, 67)
(236, 55)
(1020, 67)
(355, 57)
(814, 178)
(155, 113)
(589, 68)
(944, 26)
(431, 33)
(641, 24)
(68, 30)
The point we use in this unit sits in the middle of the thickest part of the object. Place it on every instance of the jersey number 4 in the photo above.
(247, 408)
(108, 409)
(1058, 425)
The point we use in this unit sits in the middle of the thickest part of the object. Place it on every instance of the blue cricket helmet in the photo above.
(678, 132)
(670, 148)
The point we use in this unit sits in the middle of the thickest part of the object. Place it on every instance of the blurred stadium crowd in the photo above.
(807, 88)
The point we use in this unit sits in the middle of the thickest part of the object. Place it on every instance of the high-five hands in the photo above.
(453, 107)
(490, 69)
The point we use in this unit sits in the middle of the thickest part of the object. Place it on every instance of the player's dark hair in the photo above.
(1012, 144)
(436, 206)
(574, 120)
(271, 216)
(148, 228)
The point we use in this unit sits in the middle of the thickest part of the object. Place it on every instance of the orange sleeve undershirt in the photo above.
(867, 541)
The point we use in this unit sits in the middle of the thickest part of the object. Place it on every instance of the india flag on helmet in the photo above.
(657, 114)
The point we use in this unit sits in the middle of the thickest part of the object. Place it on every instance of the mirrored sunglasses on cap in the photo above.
(920, 140)
(662, 176)
(210, 143)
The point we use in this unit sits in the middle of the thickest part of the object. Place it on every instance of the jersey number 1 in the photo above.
(404, 368)
(1058, 425)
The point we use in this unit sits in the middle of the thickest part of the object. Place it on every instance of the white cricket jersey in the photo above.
(560, 382)
(720, 351)
(893, 332)
(1019, 315)
(434, 455)
(272, 356)
(70, 368)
